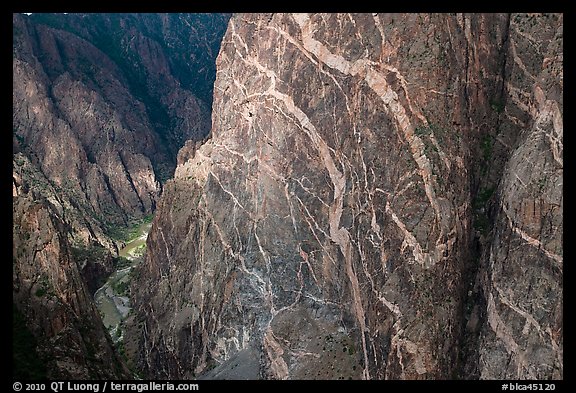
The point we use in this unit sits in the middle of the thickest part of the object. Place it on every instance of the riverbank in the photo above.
(113, 298)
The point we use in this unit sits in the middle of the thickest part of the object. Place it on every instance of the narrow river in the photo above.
(112, 299)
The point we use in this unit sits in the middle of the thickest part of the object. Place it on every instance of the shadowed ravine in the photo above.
(102, 103)
(113, 298)
(335, 196)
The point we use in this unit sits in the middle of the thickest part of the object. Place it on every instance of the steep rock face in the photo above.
(167, 61)
(100, 110)
(342, 221)
(522, 276)
(101, 105)
(49, 293)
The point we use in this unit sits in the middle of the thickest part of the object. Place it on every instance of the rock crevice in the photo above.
(378, 195)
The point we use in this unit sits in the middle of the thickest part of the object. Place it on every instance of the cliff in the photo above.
(101, 105)
(381, 198)
(50, 298)
(522, 264)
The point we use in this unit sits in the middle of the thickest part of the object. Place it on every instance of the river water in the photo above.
(113, 298)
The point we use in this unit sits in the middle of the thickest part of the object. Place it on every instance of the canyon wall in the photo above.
(49, 295)
(522, 265)
(380, 198)
(101, 105)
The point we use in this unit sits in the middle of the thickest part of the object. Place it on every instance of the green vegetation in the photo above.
(122, 262)
(56, 21)
(432, 128)
(21, 142)
(109, 40)
(497, 105)
(95, 251)
(123, 234)
(87, 70)
(120, 287)
(211, 364)
(480, 206)
(121, 350)
(541, 183)
(41, 292)
(483, 197)
(139, 251)
(26, 362)
(43, 287)
(421, 131)
(487, 146)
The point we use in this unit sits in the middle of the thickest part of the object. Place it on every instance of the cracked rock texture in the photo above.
(101, 105)
(103, 102)
(381, 198)
(522, 270)
(49, 292)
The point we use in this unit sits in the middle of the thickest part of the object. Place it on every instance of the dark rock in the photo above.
(101, 105)
(352, 191)
(53, 300)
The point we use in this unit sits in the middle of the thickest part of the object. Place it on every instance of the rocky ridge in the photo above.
(381, 198)
(50, 294)
(101, 105)
(102, 86)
